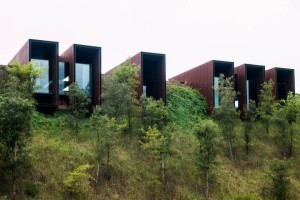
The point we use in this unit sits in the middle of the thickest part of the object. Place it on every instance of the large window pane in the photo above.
(216, 88)
(63, 77)
(83, 77)
(44, 82)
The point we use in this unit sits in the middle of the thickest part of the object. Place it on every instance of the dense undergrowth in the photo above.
(152, 152)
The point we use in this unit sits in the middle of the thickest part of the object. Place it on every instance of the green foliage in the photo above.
(127, 73)
(185, 106)
(153, 143)
(279, 183)
(153, 113)
(119, 95)
(79, 104)
(31, 190)
(250, 117)
(207, 133)
(266, 104)
(226, 115)
(15, 131)
(77, 183)
(22, 79)
(104, 130)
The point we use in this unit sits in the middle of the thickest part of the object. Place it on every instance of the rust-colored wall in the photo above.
(202, 78)
(23, 55)
(137, 60)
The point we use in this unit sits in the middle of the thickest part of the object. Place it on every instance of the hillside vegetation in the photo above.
(129, 149)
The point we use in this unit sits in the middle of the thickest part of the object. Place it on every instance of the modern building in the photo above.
(248, 83)
(284, 81)
(152, 74)
(82, 64)
(205, 78)
(43, 54)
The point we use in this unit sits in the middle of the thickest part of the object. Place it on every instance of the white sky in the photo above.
(189, 32)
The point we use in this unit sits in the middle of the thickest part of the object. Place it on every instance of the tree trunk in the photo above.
(163, 167)
(14, 189)
(291, 142)
(107, 163)
(97, 175)
(230, 149)
(207, 185)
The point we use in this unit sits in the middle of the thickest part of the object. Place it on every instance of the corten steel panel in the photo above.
(40, 49)
(202, 78)
(284, 81)
(254, 73)
(88, 55)
(152, 74)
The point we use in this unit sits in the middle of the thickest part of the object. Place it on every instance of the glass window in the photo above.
(216, 88)
(44, 82)
(247, 93)
(63, 78)
(83, 77)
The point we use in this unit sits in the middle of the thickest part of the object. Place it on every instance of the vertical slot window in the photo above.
(44, 82)
(216, 92)
(63, 77)
(83, 77)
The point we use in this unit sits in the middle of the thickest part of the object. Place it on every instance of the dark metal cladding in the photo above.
(202, 78)
(87, 55)
(152, 74)
(40, 49)
(284, 81)
(255, 74)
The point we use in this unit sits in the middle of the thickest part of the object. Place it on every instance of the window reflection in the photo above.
(44, 82)
(216, 92)
(63, 77)
(83, 77)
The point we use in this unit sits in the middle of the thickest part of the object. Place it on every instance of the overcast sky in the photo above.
(189, 32)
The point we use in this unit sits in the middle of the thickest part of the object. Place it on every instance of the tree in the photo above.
(16, 110)
(226, 115)
(104, 138)
(153, 143)
(207, 133)
(292, 108)
(266, 105)
(15, 131)
(77, 182)
(127, 73)
(153, 113)
(119, 95)
(278, 184)
(250, 118)
(285, 118)
(79, 104)
(23, 79)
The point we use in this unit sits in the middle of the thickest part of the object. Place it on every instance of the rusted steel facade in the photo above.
(44, 50)
(83, 54)
(284, 81)
(202, 78)
(152, 74)
(248, 83)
